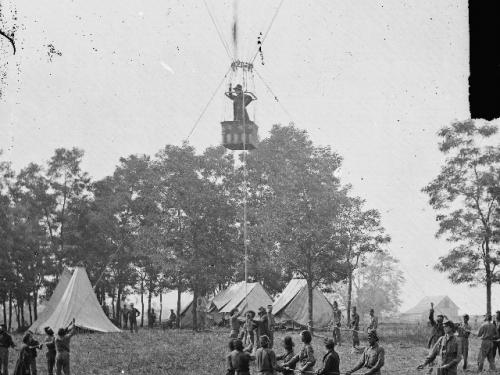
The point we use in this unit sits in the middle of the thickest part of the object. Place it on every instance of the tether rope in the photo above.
(224, 44)
(274, 95)
(268, 29)
(206, 106)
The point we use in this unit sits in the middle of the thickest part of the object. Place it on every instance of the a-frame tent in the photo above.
(291, 307)
(234, 297)
(78, 301)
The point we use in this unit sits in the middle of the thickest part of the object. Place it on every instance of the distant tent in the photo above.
(292, 305)
(54, 299)
(234, 297)
(78, 301)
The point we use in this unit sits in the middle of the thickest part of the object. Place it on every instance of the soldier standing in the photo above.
(50, 344)
(373, 357)
(62, 342)
(270, 324)
(464, 331)
(373, 325)
(5, 343)
(337, 318)
(448, 349)
(125, 316)
(355, 328)
(235, 324)
(33, 345)
(437, 327)
(488, 334)
(132, 318)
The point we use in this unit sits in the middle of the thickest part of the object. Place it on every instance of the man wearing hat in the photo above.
(373, 357)
(337, 317)
(133, 313)
(448, 349)
(263, 324)
(464, 330)
(373, 325)
(50, 344)
(488, 334)
(5, 343)
(437, 327)
(265, 358)
(240, 102)
(331, 360)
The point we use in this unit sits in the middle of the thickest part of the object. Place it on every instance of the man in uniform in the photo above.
(262, 324)
(201, 313)
(62, 343)
(240, 102)
(464, 331)
(124, 313)
(337, 318)
(373, 357)
(355, 328)
(373, 325)
(33, 346)
(497, 324)
(234, 323)
(5, 343)
(488, 334)
(437, 327)
(448, 349)
(270, 324)
(132, 317)
(50, 344)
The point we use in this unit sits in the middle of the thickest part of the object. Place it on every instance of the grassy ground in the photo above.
(174, 352)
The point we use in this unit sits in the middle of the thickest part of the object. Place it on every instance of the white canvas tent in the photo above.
(234, 297)
(292, 305)
(78, 301)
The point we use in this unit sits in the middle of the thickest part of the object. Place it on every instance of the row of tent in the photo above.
(74, 297)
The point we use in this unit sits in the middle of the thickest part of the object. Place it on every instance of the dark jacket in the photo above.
(448, 349)
(373, 359)
(331, 362)
(6, 340)
(23, 362)
(437, 330)
(286, 357)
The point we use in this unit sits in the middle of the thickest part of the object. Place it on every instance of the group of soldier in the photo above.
(57, 353)
(129, 317)
(449, 342)
(255, 340)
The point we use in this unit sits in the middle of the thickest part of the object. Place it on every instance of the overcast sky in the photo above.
(375, 80)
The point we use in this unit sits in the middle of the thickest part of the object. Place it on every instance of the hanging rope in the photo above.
(224, 44)
(268, 29)
(206, 106)
(275, 97)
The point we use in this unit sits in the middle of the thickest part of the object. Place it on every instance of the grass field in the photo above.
(175, 352)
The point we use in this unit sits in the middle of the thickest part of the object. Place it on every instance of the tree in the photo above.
(465, 196)
(360, 233)
(378, 284)
(298, 198)
(197, 217)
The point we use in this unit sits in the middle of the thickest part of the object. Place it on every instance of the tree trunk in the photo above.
(150, 321)
(161, 306)
(349, 297)
(310, 304)
(113, 304)
(35, 303)
(4, 307)
(118, 306)
(10, 311)
(23, 320)
(488, 291)
(178, 320)
(194, 306)
(142, 303)
(29, 309)
(16, 309)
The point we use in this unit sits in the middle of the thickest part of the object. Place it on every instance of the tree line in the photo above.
(175, 221)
